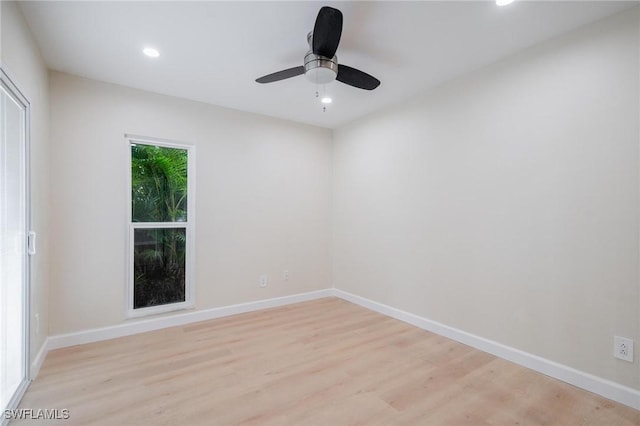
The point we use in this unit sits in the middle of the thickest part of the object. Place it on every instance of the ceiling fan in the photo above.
(321, 63)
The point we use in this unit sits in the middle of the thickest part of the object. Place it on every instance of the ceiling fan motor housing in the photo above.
(317, 68)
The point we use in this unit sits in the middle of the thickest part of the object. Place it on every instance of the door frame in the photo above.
(9, 85)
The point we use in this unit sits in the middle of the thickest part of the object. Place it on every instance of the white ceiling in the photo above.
(213, 51)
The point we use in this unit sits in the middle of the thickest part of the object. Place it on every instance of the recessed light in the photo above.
(151, 52)
(326, 100)
(503, 2)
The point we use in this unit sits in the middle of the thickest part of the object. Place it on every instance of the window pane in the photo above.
(158, 266)
(158, 184)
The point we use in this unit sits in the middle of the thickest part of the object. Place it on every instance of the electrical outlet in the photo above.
(623, 348)
(37, 321)
(263, 280)
(285, 275)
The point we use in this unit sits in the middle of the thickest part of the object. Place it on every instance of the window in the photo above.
(161, 237)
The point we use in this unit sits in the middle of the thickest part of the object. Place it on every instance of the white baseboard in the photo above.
(606, 388)
(135, 326)
(589, 382)
(39, 359)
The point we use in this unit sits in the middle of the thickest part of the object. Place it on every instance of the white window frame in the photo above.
(189, 226)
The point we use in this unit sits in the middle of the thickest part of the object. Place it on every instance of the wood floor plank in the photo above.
(323, 362)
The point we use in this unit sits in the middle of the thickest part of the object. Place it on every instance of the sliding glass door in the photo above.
(14, 262)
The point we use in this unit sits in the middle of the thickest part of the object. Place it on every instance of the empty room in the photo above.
(320, 213)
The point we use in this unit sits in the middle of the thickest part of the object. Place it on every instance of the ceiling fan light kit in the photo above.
(321, 63)
(319, 69)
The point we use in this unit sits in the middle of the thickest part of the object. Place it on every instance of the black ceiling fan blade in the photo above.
(281, 75)
(356, 78)
(327, 32)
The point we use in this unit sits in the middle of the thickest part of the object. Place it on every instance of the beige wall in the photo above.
(505, 203)
(22, 60)
(262, 203)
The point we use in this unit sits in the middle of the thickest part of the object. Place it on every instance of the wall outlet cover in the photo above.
(623, 348)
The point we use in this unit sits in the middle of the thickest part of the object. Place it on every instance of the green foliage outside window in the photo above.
(159, 194)
(158, 184)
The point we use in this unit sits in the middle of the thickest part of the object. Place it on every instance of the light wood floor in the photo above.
(325, 362)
